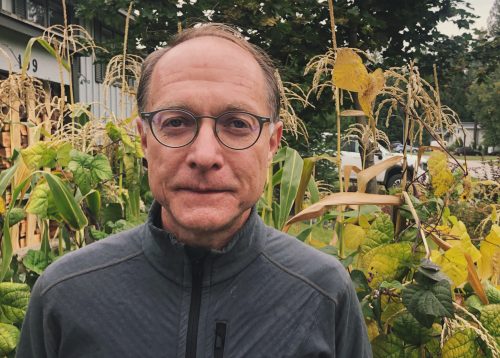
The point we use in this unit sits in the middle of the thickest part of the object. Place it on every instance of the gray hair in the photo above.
(224, 32)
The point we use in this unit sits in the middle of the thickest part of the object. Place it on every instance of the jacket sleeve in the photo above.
(35, 335)
(351, 337)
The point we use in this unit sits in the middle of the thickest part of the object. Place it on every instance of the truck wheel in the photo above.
(394, 181)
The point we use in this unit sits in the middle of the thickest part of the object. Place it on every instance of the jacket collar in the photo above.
(169, 257)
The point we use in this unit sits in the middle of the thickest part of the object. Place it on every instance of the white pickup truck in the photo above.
(389, 178)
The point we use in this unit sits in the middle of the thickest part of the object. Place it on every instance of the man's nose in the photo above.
(205, 153)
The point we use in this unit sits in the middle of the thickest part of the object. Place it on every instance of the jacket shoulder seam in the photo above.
(298, 276)
(90, 269)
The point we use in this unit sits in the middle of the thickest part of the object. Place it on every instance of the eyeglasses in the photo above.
(177, 128)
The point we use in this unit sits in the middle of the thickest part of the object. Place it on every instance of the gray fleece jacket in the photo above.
(141, 293)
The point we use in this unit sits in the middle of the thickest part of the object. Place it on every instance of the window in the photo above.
(36, 11)
(43, 12)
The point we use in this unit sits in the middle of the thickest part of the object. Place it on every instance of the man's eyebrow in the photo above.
(192, 108)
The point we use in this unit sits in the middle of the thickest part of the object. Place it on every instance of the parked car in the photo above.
(390, 177)
(409, 149)
(466, 151)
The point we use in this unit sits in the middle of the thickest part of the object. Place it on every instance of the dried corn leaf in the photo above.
(366, 175)
(376, 82)
(337, 199)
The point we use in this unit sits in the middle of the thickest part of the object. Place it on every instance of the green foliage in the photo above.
(407, 328)
(462, 344)
(428, 300)
(89, 170)
(381, 232)
(9, 335)
(37, 261)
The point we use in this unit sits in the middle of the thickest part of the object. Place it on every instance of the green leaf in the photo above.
(94, 202)
(386, 262)
(381, 232)
(388, 347)
(431, 271)
(428, 302)
(492, 293)
(9, 336)
(462, 344)
(290, 180)
(40, 154)
(37, 261)
(6, 176)
(88, 170)
(67, 207)
(116, 134)
(490, 318)
(41, 202)
(14, 298)
(16, 215)
(360, 283)
(406, 327)
(474, 304)
(97, 234)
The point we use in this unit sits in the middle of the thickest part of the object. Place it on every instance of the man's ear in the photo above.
(141, 128)
(275, 139)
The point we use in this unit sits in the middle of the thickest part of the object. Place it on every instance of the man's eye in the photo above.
(237, 123)
(174, 122)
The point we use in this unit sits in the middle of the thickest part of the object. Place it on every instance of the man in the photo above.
(204, 277)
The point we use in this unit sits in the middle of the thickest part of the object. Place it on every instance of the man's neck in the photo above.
(217, 239)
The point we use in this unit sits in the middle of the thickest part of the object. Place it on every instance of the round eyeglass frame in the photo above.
(148, 116)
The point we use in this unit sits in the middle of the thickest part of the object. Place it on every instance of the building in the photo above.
(21, 20)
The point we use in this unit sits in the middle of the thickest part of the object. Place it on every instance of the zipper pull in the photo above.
(220, 339)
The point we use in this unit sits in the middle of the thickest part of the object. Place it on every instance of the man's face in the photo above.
(206, 189)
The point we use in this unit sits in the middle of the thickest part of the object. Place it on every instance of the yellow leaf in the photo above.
(490, 249)
(385, 262)
(363, 222)
(349, 72)
(453, 264)
(376, 82)
(441, 176)
(354, 236)
(2, 206)
(372, 329)
(317, 244)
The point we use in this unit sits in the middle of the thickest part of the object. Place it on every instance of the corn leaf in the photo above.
(289, 186)
(66, 204)
(336, 199)
(305, 177)
(47, 47)
(364, 176)
(352, 113)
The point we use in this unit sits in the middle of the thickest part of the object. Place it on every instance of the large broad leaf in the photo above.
(46, 154)
(41, 202)
(406, 327)
(386, 262)
(65, 203)
(116, 133)
(490, 318)
(6, 176)
(492, 293)
(349, 73)
(37, 261)
(381, 232)
(9, 336)
(88, 171)
(453, 264)
(376, 82)
(490, 253)
(16, 215)
(462, 344)
(292, 171)
(354, 236)
(390, 346)
(14, 298)
(428, 301)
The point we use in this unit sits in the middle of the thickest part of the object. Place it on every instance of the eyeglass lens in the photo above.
(236, 130)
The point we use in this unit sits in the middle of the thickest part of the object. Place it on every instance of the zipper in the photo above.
(197, 259)
(220, 339)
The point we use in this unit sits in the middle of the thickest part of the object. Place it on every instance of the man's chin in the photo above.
(204, 220)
